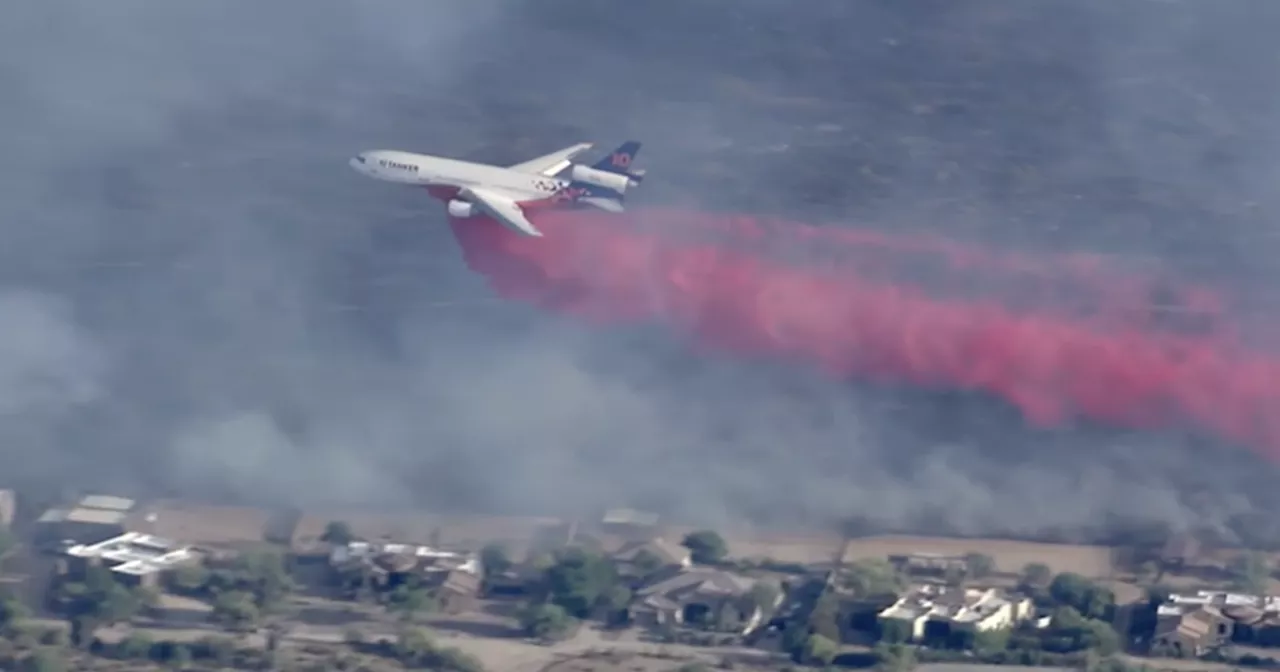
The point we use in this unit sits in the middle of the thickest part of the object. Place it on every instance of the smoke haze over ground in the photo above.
(198, 296)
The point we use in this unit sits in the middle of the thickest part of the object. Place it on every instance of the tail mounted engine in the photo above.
(615, 181)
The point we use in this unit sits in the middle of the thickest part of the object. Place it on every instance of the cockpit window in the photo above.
(360, 159)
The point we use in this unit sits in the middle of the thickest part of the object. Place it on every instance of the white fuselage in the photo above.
(434, 171)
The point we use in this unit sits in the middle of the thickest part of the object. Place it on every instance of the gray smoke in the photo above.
(198, 297)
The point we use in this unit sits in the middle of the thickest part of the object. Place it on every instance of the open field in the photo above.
(198, 523)
(1010, 556)
(450, 531)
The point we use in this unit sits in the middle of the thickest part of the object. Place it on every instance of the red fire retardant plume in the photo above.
(1061, 338)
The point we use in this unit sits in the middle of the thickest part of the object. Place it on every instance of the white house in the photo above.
(133, 556)
(927, 607)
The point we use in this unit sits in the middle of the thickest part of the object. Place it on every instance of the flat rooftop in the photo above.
(135, 553)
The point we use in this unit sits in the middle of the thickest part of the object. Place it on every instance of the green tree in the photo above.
(979, 565)
(578, 580)
(409, 601)
(338, 533)
(794, 637)
(189, 579)
(1069, 631)
(615, 603)
(265, 574)
(455, 660)
(56, 637)
(1101, 603)
(1250, 572)
(706, 547)
(220, 650)
(148, 598)
(1158, 594)
(46, 659)
(117, 604)
(991, 641)
(824, 619)
(616, 598)
(415, 647)
(764, 595)
(1036, 574)
(495, 560)
(1101, 637)
(647, 562)
(99, 598)
(1065, 618)
(546, 621)
(136, 646)
(894, 657)
(236, 609)
(1087, 597)
(819, 650)
(894, 631)
(873, 577)
(12, 613)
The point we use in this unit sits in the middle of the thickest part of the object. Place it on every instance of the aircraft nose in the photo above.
(357, 162)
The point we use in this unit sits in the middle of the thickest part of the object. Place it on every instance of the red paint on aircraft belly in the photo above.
(539, 204)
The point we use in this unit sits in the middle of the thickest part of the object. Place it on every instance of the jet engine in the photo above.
(461, 209)
(600, 178)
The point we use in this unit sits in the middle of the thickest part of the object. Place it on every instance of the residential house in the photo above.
(1251, 625)
(701, 596)
(457, 591)
(133, 558)
(1192, 633)
(931, 611)
(91, 519)
(517, 581)
(639, 560)
(454, 578)
(1246, 619)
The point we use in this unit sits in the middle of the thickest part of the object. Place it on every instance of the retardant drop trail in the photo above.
(1060, 338)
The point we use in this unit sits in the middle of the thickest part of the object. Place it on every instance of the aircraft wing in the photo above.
(502, 208)
(552, 163)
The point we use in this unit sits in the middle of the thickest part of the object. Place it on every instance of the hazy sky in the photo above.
(197, 295)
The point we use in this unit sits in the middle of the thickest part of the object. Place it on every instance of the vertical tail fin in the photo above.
(619, 160)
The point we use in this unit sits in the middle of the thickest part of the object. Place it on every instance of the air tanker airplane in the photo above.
(505, 193)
